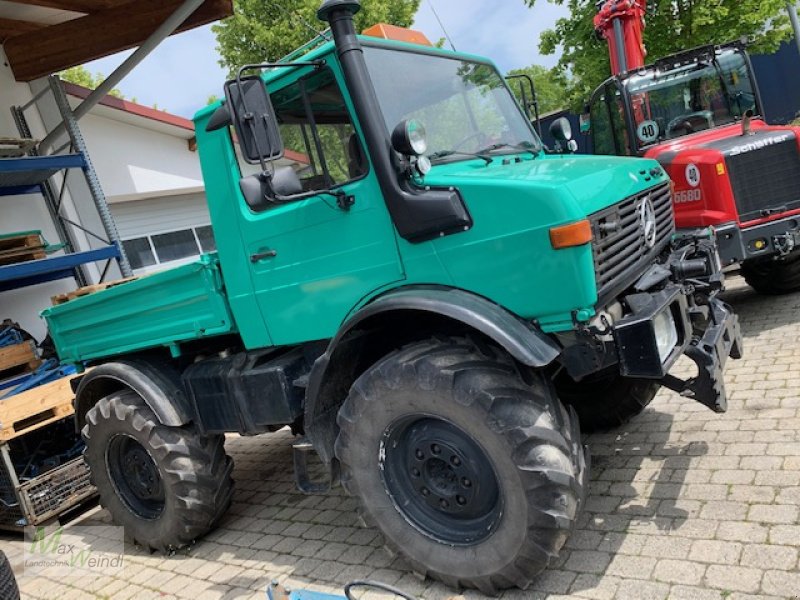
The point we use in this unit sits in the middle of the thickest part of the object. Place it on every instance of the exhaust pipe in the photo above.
(418, 214)
(746, 120)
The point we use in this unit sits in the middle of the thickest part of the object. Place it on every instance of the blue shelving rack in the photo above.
(35, 174)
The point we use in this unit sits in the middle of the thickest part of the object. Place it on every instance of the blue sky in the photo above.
(183, 72)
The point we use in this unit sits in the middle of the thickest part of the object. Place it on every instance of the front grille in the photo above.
(765, 175)
(620, 246)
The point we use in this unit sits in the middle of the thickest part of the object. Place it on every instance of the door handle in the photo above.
(254, 258)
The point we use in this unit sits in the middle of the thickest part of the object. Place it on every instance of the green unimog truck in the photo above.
(433, 302)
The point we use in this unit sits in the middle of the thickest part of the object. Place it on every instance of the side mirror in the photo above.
(254, 119)
(561, 130)
(263, 190)
(219, 119)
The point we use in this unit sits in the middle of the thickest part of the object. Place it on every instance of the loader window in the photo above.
(609, 131)
(318, 132)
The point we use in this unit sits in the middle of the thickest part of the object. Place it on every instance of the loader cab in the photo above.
(680, 95)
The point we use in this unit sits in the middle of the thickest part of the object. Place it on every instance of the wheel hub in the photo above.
(135, 476)
(441, 480)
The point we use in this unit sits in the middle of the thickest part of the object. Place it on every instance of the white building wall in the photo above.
(133, 162)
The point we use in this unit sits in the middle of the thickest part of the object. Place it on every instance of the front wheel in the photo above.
(472, 471)
(166, 486)
(605, 400)
(773, 277)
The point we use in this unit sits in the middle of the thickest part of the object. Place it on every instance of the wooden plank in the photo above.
(36, 54)
(83, 6)
(35, 408)
(25, 240)
(88, 289)
(11, 27)
(17, 355)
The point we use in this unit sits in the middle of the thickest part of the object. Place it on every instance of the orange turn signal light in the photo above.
(574, 234)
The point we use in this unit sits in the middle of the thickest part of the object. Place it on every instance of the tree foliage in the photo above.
(550, 87)
(672, 26)
(80, 75)
(262, 30)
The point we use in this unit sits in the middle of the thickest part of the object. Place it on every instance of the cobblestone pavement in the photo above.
(684, 504)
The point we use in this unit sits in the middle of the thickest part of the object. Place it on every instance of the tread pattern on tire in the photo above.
(195, 467)
(8, 584)
(773, 277)
(480, 376)
(606, 406)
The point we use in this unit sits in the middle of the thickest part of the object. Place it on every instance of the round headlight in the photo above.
(409, 138)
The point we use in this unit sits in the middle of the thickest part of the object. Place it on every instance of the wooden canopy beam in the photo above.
(40, 53)
(11, 27)
(82, 6)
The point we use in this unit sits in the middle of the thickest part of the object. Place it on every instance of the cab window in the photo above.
(609, 129)
(321, 143)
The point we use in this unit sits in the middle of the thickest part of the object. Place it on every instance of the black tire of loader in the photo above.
(8, 584)
(605, 401)
(194, 470)
(531, 440)
(773, 277)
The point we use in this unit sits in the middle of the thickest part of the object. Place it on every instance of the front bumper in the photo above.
(707, 333)
(672, 310)
(775, 238)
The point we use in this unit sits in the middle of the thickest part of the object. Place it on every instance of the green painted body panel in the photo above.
(331, 262)
(162, 309)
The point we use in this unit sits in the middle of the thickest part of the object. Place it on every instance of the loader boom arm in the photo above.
(621, 23)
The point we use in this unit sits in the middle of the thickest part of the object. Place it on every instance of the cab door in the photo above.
(314, 258)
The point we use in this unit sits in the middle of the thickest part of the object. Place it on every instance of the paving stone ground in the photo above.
(684, 504)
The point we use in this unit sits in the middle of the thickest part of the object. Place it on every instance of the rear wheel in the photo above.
(166, 486)
(605, 400)
(773, 277)
(8, 584)
(472, 471)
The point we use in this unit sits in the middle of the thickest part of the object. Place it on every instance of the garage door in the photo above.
(164, 232)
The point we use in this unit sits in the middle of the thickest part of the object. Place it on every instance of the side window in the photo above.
(617, 109)
(602, 136)
(321, 142)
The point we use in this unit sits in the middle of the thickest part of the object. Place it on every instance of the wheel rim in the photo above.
(135, 476)
(440, 480)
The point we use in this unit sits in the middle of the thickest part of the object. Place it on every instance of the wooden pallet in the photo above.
(21, 248)
(88, 289)
(17, 359)
(35, 408)
(13, 147)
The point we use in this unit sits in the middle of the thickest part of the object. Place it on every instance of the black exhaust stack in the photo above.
(418, 214)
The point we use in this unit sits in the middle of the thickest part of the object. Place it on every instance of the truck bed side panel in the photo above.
(180, 304)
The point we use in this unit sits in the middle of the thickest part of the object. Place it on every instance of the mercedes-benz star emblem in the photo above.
(647, 218)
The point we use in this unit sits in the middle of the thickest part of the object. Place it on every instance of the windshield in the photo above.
(707, 93)
(464, 106)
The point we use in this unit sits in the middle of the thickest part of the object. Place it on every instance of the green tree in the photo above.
(264, 30)
(80, 75)
(672, 26)
(551, 87)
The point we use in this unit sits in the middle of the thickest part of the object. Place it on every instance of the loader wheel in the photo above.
(474, 472)
(773, 277)
(8, 584)
(167, 486)
(605, 400)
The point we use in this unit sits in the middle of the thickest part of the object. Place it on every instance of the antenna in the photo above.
(292, 14)
(435, 14)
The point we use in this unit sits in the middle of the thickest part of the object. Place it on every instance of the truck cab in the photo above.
(699, 113)
(433, 303)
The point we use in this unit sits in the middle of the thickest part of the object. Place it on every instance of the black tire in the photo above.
(773, 277)
(514, 435)
(167, 486)
(606, 400)
(8, 584)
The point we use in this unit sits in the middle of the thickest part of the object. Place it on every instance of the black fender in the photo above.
(401, 316)
(158, 383)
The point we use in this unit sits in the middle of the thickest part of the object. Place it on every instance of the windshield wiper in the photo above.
(445, 153)
(524, 146)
